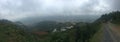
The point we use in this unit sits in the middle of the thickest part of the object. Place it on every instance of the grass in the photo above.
(98, 36)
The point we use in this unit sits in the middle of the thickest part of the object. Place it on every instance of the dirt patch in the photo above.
(41, 33)
(115, 28)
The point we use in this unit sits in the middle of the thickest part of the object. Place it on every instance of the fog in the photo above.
(15, 10)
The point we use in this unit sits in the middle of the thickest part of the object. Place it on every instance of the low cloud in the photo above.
(17, 9)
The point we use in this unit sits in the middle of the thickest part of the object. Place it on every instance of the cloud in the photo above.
(17, 9)
(114, 4)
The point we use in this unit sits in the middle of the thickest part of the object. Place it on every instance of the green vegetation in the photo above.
(64, 31)
(81, 32)
(10, 32)
(50, 25)
(97, 36)
(113, 17)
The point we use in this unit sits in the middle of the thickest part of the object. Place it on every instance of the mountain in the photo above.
(60, 18)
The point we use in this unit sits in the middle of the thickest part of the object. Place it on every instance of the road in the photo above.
(109, 35)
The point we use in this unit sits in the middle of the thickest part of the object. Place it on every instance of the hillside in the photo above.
(113, 17)
(55, 31)
(11, 32)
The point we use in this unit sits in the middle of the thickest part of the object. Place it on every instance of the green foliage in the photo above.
(11, 32)
(50, 25)
(45, 25)
(81, 32)
(113, 17)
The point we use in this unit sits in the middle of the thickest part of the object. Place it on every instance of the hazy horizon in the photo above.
(20, 9)
(59, 20)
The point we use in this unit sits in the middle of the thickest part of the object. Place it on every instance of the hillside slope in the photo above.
(11, 32)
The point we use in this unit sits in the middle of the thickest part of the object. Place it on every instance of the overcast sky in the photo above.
(17, 9)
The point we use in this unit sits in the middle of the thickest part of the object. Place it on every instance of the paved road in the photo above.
(109, 35)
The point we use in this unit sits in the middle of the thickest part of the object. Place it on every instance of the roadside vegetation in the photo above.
(113, 17)
(97, 36)
(52, 31)
(79, 32)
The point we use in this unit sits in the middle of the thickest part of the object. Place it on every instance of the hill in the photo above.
(11, 32)
(113, 17)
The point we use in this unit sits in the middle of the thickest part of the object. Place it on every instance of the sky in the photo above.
(18, 9)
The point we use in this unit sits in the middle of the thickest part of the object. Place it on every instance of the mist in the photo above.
(59, 18)
(19, 9)
(55, 10)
